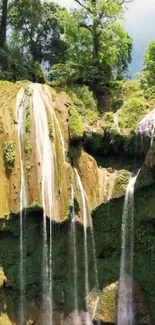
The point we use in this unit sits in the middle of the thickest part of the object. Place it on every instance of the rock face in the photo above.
(104, 160)
(103, 305)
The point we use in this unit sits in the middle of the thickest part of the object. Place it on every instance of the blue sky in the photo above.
(140, 23)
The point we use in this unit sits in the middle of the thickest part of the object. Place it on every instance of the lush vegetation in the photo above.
(82, 47)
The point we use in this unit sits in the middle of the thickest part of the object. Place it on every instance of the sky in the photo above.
(140, 23)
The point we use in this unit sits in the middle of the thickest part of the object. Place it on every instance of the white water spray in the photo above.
(49, 103)
(21, 119)
(73, 233)
(87, 221)
(46, 157)
(125, 299)
(146, 127)
(85, 225)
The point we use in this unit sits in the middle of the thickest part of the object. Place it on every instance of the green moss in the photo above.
(51, 131)
(29, 166)
(74, 152)
(108, 120)
(9, 154)
(28, 149)
(82, 97)
(130, 88)
(84, 103)
(28, 93)
(76, 125)
(2, 277)
(150, 93)
(121, 182)
(92, 116)
(117, 103)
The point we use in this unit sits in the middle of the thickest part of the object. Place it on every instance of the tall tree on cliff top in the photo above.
(99, 49)
(36, 25)
(3, 22)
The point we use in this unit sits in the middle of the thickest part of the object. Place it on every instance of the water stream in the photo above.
(46, 155)
(21, 119)
(49, 102)
(125, 299)
(87, 222)
(73, 235)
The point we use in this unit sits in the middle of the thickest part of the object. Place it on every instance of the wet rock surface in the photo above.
(106, 305)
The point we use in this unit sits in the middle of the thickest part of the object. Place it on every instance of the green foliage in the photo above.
(98, 47)
(148, 76)
(16, 66)
(75, 152)
(39, 33)
(9, 154)
(84, 95)
(117, 103)
(51, 131)
(149, 93)
(108, 123)
(84, 102)
(76, 125)
(28, 148)
(131, 113)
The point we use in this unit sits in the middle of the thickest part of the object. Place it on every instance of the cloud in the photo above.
(140, 23)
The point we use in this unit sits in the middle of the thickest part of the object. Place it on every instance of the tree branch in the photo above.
(83, 6)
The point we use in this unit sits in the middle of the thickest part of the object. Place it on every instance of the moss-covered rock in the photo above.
(76, 125)
(3, 278)
(106, 300)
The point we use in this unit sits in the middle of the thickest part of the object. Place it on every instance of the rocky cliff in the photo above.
(105, 149)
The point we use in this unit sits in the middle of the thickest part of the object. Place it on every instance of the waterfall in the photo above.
(49, 102)
(73, 236)
(85, 225)
(146, 127)
(87, 221)
(21, 118)
(46, 160)
(125, 299)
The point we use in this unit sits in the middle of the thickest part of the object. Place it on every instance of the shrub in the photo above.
(117, 103)
(76, 125)
(150, 93)
(9, 154)
(131, 113)
(108, 120)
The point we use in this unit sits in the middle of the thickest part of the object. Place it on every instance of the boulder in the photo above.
(103, 305)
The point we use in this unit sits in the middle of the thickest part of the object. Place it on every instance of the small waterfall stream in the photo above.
(46, 157)
(85, 225)
(87, 222)
(125, 299)
(21, 118)
(73, 236)
(49, 103)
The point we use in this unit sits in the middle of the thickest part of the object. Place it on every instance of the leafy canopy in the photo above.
(148, 75)
(98, 47)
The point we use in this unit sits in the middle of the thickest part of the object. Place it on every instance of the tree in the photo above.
(99, 49)
(148, 73)
(3, 22)
(36, 26)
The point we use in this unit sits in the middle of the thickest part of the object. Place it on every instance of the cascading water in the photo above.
(73, 236)
(125, 299)
(146, 127)
(21, 119)
(87, 222)
(46, 157)
(85, 225)
(49, 102)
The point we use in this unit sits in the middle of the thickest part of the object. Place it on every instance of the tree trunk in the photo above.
(3, 23)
